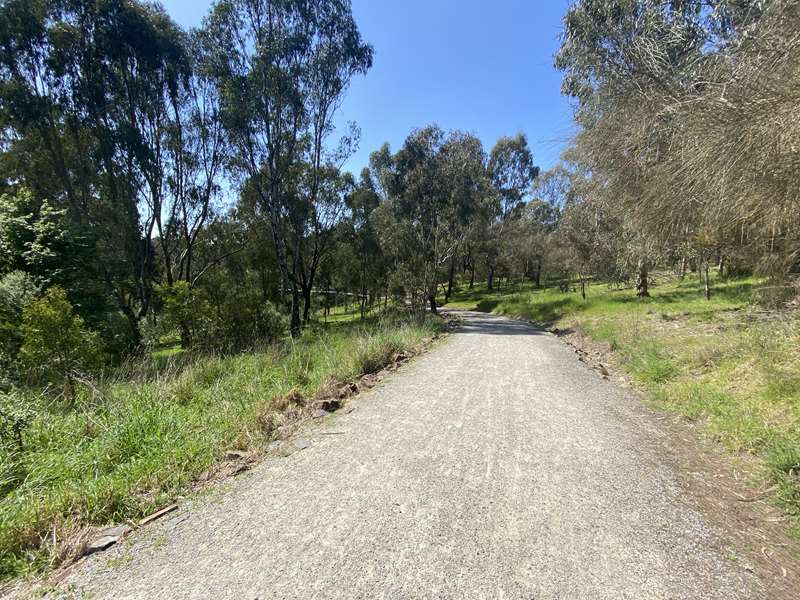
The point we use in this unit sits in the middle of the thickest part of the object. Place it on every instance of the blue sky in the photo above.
(483, 67)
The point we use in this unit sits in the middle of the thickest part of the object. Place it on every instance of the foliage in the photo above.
(685, 110)
(278, 102)
(435, 185)
(56, 346)
(17, 291)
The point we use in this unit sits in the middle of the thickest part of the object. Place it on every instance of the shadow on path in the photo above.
(484, 324)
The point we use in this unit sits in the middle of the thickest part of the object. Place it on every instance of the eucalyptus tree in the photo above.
(680, 105)
(283, 67)
(512, 173)
(80, 84)
(187, 168)
(435, 185)
(362, 203)
(322, 195)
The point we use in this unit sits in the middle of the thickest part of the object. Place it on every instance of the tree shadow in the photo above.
(486, 306)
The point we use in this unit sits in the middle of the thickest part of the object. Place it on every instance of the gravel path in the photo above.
(495, 466)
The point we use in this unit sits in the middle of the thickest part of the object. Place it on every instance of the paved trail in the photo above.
(496, 466)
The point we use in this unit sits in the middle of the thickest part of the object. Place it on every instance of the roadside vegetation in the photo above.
(171, 200)
(130, 442)
(727, 364)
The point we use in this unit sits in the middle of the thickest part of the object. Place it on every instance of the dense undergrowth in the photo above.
(131, 443)
(726, 363)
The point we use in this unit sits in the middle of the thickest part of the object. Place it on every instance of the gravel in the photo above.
(495, 466)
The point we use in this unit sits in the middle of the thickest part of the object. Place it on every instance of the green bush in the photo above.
(17, 291)
(57, 348)
(272, 324)
(15, 418)
(223, 320)
(187, 311)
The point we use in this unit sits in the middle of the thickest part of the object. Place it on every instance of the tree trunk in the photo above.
(450, 281)
(490, 282)
(537, 278)
(682, 272)
(432, 301)
(706, 281)
(306, 303)
(642, 284)
(294, 319)
(471, 276)
(583, 287)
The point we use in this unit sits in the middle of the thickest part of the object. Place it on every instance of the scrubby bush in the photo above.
(186, 310)
(220, 319)
(15, 418)
(272, 323)
(17, 291)
(56, 345)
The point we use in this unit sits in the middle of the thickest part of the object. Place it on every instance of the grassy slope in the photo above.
(735, 368)
(157, 429)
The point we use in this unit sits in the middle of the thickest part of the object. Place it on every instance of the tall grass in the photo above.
(136, 441)
(726, 363)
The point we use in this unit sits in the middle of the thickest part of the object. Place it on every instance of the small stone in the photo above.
(301, 444)
(234, 455)
(176, 521)
(108, 537)
(320, 413)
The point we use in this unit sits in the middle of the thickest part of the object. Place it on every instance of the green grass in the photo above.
(135, 444)
(725, 362)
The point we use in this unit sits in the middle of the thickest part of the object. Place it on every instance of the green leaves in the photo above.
(56, 345)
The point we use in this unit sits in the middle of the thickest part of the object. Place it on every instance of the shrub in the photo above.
(15, 418)
(272, 324)
(186, 309)
(223, 320)
(17, 291)
(56, 346)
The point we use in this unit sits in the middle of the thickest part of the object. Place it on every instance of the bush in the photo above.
(186, 310)
(56, 346)
(235, 320)
(272, 324)
(15, 418)
(17, 291)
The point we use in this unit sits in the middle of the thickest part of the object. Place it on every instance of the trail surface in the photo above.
(495, 466)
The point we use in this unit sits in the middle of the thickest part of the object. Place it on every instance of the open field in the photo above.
(130, 444)
(723, 362)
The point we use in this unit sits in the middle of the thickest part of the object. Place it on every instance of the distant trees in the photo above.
(512, 173)
(163, 183)
(435, 185)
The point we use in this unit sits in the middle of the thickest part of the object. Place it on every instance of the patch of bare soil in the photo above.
(729, 490)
